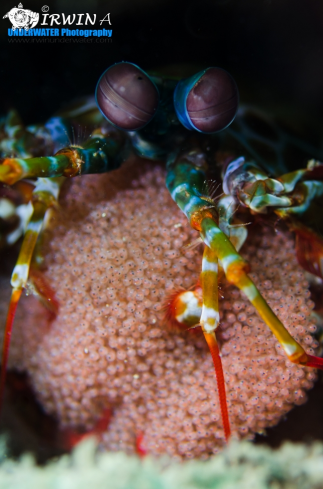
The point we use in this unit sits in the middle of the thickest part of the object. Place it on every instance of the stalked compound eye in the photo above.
(207, 101)
(126, 96)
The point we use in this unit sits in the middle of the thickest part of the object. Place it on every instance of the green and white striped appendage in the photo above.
(210, 317)
(99, 154)
(185, 183)
(44, 196)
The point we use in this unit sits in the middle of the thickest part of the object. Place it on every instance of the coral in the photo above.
(240, 465)
(114, 256)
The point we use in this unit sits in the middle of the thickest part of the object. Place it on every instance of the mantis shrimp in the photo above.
(188, 123)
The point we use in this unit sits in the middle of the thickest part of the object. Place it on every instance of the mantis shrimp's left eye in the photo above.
(126, 96)
(207, 101)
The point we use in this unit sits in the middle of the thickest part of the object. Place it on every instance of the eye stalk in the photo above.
(126, 96)
(208, 101)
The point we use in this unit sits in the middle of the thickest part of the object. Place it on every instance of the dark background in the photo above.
(274, 49)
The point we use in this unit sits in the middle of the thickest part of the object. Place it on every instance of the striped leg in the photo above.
(209, 322)
(209, 279)
(44, 196)
(98, 155)
(235, 269)
(185, 183)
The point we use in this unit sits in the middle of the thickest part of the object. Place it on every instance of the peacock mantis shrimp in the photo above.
(186, 123)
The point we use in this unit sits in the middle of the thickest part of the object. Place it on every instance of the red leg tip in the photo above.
(315, 362)
(140, 445)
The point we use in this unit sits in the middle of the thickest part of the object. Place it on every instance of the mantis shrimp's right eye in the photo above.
(208, 101)
(126, 96)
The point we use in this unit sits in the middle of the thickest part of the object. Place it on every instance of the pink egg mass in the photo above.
(114, 257)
